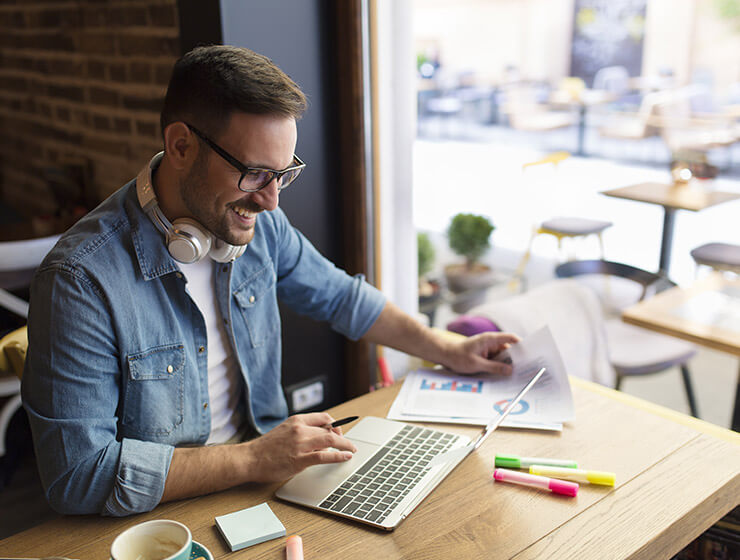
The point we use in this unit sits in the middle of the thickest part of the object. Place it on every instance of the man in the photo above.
(153, 370)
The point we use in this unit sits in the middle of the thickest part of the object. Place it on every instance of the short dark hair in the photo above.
(210, 83)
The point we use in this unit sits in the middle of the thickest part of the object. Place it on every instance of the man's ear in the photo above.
(180, 145)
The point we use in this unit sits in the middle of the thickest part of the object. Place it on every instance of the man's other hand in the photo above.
(479, 353)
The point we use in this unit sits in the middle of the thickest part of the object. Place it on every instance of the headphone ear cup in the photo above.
(223, 252)
(188, 242)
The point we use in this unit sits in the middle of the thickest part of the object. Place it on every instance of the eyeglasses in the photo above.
(253, 179)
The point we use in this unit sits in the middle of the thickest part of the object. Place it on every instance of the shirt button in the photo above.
(178, 274)
(170, 369)
(201, 349)
(226, 321)
(251, 299)
(224, 268)
(205, 405)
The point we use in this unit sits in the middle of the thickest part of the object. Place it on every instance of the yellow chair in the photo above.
(559, 227)
(13, 347)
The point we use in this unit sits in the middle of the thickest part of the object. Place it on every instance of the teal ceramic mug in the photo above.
(160, 539)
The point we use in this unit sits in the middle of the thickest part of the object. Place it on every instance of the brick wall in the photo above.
(80, 81)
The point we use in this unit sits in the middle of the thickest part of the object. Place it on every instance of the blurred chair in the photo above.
(615, 82)
(683, 130)
(568, 227)
(18, 262)
(633, 351)
(614, 79)
(525, 112)
(445, 109)
(634, 126)
(13, 347)
(719, 256)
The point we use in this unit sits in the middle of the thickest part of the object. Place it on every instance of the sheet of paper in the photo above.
(434, 396)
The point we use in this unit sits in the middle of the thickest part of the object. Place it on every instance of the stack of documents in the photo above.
(435, 396)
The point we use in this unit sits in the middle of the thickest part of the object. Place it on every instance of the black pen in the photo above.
(341, 422)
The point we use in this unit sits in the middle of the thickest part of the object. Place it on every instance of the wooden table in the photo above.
(676, 476)
(693, 196)
(662, 313)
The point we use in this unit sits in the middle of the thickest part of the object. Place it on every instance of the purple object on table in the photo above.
(470, 325)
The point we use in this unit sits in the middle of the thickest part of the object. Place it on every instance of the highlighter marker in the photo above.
(294, 548)
(542, 482)
(579, 475)
(516, 462)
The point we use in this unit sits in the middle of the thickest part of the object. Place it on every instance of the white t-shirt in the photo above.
(224, 379)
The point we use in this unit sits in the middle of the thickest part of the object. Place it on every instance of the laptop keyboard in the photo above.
(387, 477)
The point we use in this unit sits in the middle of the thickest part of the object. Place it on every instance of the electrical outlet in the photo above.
(307, 395)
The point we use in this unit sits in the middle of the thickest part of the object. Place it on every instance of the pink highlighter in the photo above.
(552, 484)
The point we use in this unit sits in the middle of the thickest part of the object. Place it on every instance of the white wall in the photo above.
(668, 37)
(488, 35)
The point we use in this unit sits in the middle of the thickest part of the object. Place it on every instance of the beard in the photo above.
(215, 221)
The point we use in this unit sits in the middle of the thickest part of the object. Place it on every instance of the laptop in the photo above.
(395, 467)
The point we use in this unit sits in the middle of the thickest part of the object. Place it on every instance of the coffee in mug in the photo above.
(160, 539)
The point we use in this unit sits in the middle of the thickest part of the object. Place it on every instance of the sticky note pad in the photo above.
(249, 526)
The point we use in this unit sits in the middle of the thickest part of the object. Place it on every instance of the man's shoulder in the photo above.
(273, 221)
(101, 229)
(271, 227)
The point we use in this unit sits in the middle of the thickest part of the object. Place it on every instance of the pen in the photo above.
(552, 484)
(579, 475)
(294, 548)
(516, 462)
(341, 422)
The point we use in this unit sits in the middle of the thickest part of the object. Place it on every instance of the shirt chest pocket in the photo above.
(257, 303)
(154, 392)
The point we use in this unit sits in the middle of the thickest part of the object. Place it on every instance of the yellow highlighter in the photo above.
(578, 475)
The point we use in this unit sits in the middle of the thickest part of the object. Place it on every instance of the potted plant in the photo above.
(429, 290)
(469, 236)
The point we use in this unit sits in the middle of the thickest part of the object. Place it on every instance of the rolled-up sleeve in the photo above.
(312, 285)
(71, 391)
(139, 482)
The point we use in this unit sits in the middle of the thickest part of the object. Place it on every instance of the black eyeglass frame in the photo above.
(244, 169)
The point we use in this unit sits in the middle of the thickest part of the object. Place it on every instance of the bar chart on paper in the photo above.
(464, 387)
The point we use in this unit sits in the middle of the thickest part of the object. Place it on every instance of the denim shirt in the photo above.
(116, 372)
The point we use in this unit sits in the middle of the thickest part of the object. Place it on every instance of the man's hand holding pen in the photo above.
(301, 441)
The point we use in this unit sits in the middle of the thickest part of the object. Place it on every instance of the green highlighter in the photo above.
(516, 462)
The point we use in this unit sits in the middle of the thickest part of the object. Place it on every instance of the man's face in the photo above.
(209, 191)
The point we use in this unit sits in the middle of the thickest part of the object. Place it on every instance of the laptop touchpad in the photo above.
(314, 483)
(374, 430)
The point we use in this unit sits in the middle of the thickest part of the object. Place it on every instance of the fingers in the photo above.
(310, 433)
(495, 367)
(500, 339)
(316, 418)
(326, 457)
(330, 439)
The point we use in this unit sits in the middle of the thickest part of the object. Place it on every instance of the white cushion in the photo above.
(575, 319)
(637, 351)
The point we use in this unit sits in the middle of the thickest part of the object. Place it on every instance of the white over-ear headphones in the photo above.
(187, 240)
